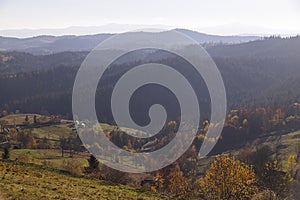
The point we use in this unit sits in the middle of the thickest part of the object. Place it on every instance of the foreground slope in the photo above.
(25, 181)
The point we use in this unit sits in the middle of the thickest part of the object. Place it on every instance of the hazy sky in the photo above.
(276, 15)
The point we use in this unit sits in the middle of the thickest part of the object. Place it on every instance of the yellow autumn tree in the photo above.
(172, 182)
(292, 164)
(228, 178)
(178, 185)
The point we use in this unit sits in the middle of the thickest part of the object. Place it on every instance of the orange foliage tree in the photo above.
(228, 178)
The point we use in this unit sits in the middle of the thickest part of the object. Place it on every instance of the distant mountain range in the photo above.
(42, 45)
(225, 29)
(80, 30)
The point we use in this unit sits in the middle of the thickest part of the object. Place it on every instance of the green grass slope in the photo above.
(27, 181)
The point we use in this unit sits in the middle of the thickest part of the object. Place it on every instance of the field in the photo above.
(284, 145)
(19, 118)
(29, 181)
(48, 157)
(289, 145)
(54, 131)
(281, 145)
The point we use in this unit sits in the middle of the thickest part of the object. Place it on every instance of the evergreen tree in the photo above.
(5, 155)
(93, 162)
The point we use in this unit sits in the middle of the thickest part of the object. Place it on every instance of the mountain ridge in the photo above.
(47, 44)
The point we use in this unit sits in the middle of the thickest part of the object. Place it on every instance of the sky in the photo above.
(214, 16)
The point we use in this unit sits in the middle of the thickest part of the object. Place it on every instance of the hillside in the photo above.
(37, 169)
(52, 166)
(254, 73)
(262, 84)
(272, 47)
(29, 181)
(16, 62)
(203, 38)
(279, 146)
(50, 44)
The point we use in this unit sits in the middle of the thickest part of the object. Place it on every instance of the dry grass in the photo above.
(27, 181)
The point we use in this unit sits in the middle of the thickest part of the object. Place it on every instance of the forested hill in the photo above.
(272, 47)
(15, 62)
(50, 44)
(277, 52)
(255, 73)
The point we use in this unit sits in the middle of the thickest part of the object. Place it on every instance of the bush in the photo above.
(25, 158)
(73, 167)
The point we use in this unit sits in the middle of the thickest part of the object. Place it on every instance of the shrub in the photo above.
(73, 167)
